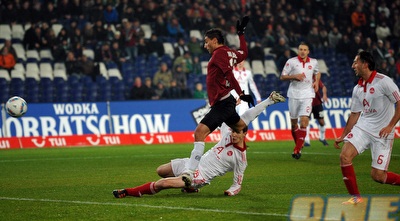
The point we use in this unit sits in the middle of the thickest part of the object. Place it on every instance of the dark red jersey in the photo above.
(318, 97)
(220, 79)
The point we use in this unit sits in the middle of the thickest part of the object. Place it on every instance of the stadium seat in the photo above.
(17, 33)
(323, 69)
(169, 49)
(103, 70)
(89, 53)
(257, 67)
(4, 90)
(5, 75)
(196, 33)
(114, 72)
(60, 73)
(5, 32)
(31, 90)
(59, 65)
(32, 56)
(46, 70)
(17, 74)
(204, 67)
(270, 67)
(56, 27)
(45, 55)
(20, 51)
(147, 30)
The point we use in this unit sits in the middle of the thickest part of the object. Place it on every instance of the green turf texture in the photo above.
(77, 183)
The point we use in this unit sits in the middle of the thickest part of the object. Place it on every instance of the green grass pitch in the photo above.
(77, 183)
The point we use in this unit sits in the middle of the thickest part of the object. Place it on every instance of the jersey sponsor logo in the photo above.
(372, 90)
(309, 67)
(316, 207)
(365, 103)
(229, 153)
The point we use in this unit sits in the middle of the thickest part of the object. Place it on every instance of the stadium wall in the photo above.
(145, 122)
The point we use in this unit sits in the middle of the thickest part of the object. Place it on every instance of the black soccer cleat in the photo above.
(120, 193)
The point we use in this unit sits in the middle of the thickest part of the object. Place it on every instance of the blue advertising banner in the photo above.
(132, 117)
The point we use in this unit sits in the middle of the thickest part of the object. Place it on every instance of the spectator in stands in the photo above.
(159, 91)
(197, 70)
(195, 47)
(343, 45)
(380, 53)
(33, 38)
(24, 13)
(175, 29)
(268, 40)
(185, 61)
(232, 38)
(49, 14)
(110, 32)
(142, 48)
(104, 55)
(256, 52)
(196, 21)
(334, 37)
(179, 76)
(138, 90)
(160, 27)
(368, 45)
(382, 31)
(60, 51)
(7, 60)
(313, 38)
(131, 32)
(99, 32)
(391, 69)
(355, 45)
(11, 49)
(173, 91)
(199, 92)
(77, 50)
(73, 66)
(154, 46)
(110, 14)
(64, 10)
(77, 37)
(358, 18)
(88, 36)
(88, 67)
(150, 94)
(118, 55)
(97, 11)
(279, 48)
(9, 14)
(280, 63)
(63, 36)
(163, 76)
(180, 48)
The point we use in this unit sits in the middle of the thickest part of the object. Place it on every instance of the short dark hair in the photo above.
(367, 57)
(215, 33)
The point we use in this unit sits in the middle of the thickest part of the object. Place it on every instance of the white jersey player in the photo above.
(375, 111)
(300, 71)
(229, 154)
(245, 79)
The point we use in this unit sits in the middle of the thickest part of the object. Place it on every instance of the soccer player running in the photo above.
(318, 113)
(229, 154)
(375, 110)
(220, 81)
(300, 71)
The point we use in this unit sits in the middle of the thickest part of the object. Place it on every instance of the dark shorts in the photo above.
(220, 112)
(318, 112)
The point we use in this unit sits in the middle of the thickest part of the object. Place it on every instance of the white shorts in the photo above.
(381, 149)
(181, 164)
(300, 107)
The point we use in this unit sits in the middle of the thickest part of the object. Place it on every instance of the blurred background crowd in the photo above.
(153, 49)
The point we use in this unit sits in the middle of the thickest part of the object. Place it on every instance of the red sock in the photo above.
(349, 178)
(392, 178)
(300, 136)
(294, 134)
(147, 188)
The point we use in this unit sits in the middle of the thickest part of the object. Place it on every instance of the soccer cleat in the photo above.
(324, 142)
(276, 97)
(187, 179)
(307, 144)
(296, 155)
(190, 190)
(120, 193)
(353, 200)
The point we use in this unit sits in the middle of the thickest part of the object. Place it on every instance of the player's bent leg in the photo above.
(276, 97)
(165, 170)
(378, 175)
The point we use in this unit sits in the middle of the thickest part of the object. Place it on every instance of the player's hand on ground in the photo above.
(241, 25)
(228, 193)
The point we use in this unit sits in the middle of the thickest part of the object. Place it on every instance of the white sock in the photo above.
(307, 138)
(195, 156)
(253, 112)
(322, 132)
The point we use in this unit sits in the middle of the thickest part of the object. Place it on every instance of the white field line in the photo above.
(142, 205)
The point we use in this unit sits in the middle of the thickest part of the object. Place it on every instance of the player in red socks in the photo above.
(375, 111)
(300, 71)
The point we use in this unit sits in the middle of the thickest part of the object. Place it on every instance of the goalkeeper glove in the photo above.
(248, 98)
(241, 25)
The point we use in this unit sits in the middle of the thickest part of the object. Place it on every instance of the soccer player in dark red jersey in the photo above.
(220, 81)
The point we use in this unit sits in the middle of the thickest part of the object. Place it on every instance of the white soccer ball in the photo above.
(16, 106)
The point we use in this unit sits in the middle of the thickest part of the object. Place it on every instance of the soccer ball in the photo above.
(16, 106)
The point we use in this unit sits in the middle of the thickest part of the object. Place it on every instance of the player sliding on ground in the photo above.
(229, 154)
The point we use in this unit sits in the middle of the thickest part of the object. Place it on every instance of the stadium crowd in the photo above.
(118, 33)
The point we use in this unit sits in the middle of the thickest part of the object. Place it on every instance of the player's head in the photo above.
(304, 50)
(239, 136)
(366, 57)
(213, 38)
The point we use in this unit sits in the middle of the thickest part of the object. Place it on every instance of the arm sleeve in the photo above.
(238, 173)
